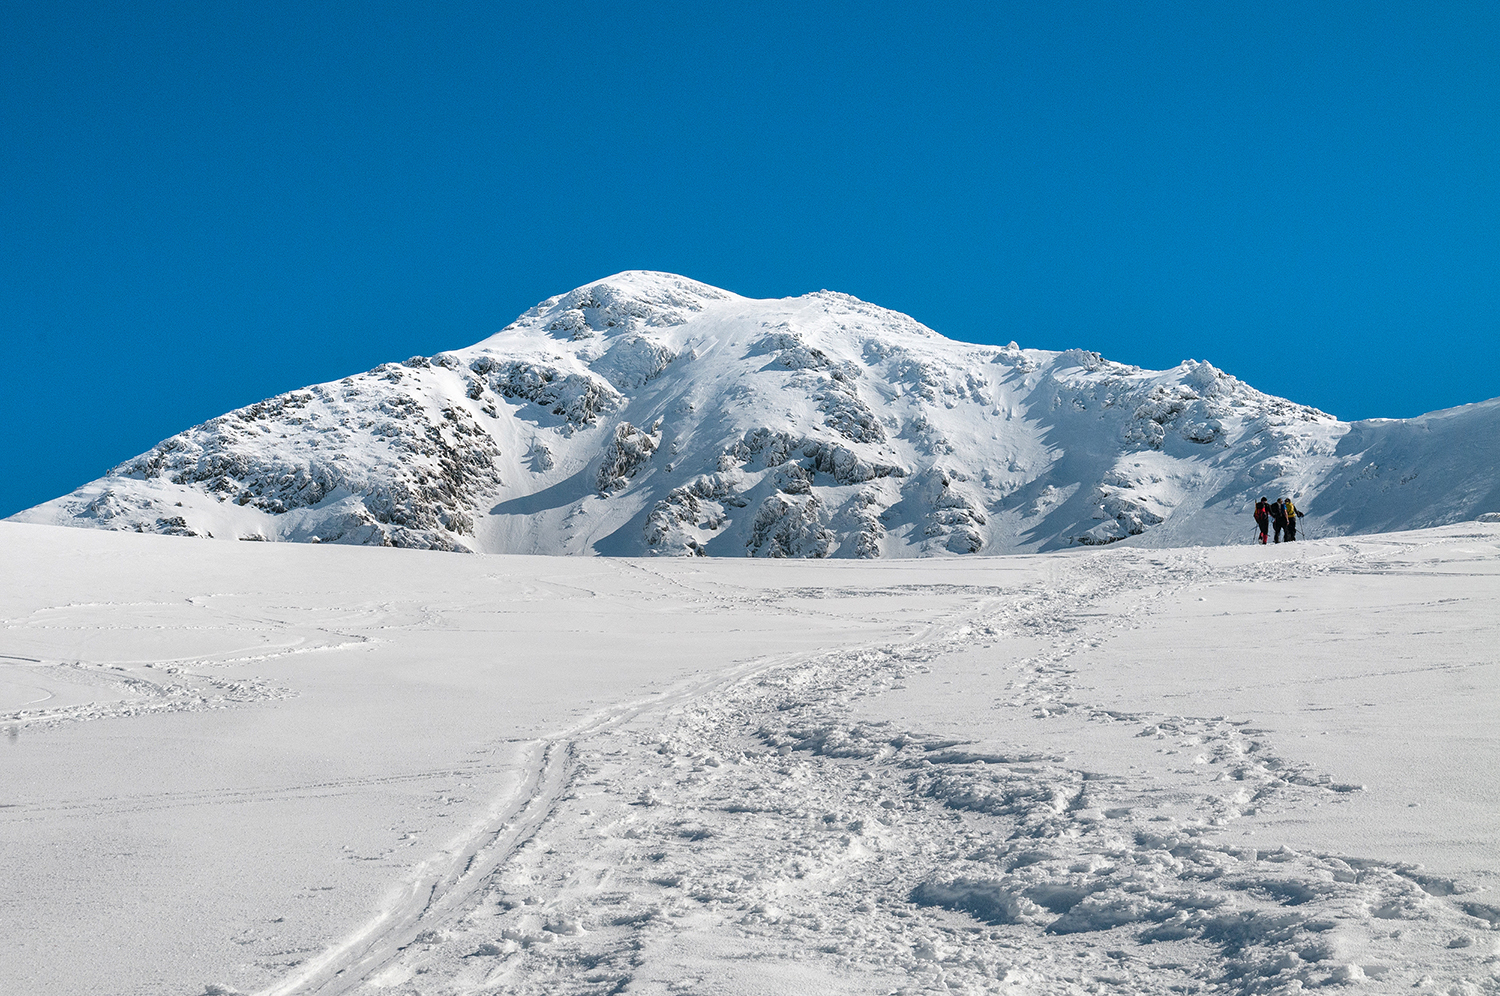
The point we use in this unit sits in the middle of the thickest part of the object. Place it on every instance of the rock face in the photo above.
(648, 414)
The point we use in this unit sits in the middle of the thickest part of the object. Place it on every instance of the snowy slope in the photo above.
(286, 771)
(650, 414)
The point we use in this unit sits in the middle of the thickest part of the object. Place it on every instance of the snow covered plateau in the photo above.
(649, 414)
(286, 769)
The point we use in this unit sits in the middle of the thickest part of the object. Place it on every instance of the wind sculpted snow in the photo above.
(284, 770)
(647, 414)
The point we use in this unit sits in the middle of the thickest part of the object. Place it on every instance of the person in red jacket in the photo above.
(1263, 517)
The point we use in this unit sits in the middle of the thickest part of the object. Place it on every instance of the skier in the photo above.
(1278, 520)
(1292, 515)
(1263, 517)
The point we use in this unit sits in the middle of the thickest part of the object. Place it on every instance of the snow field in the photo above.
(780, 823)
(225, 841)
(1121, 770)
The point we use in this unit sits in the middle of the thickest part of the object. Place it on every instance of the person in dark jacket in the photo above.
(1278, 520)
(1263, 517)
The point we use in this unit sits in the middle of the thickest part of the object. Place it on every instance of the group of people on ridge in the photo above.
(1280, 515)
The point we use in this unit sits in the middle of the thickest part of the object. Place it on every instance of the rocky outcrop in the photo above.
(579, 398)
(625, 454)
(790, 525)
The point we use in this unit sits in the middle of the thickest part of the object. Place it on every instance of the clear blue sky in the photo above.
(203, 204)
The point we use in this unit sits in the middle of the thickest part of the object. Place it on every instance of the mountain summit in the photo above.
(648, 414)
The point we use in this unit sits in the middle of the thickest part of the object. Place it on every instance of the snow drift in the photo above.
(648, 414)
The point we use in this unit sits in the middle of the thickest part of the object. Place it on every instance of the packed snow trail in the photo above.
(772, 834)
(440, 887)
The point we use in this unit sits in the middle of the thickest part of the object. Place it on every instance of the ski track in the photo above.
(440, 888)
(132, 694)
(147, 685)
(751, 823)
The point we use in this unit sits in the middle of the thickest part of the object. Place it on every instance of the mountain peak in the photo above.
(645, 296)
(647, 414)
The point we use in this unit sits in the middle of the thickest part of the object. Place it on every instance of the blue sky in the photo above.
(202, 205)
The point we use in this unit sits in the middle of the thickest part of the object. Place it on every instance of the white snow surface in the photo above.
(282, 769)
(648, 414)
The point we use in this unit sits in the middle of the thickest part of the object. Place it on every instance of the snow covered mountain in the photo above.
(650, 414)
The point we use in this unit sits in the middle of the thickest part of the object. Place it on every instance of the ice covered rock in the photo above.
(789, 526)
(578, 397)
(634, 360)
(625, 454)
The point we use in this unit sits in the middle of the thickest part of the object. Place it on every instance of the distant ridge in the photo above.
(649, 414)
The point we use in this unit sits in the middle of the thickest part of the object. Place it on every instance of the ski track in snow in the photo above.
(441, 887)
(750, 832)
(128, 693)
(146, 684)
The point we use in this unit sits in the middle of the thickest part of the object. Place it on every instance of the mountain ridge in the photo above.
(650, 414)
